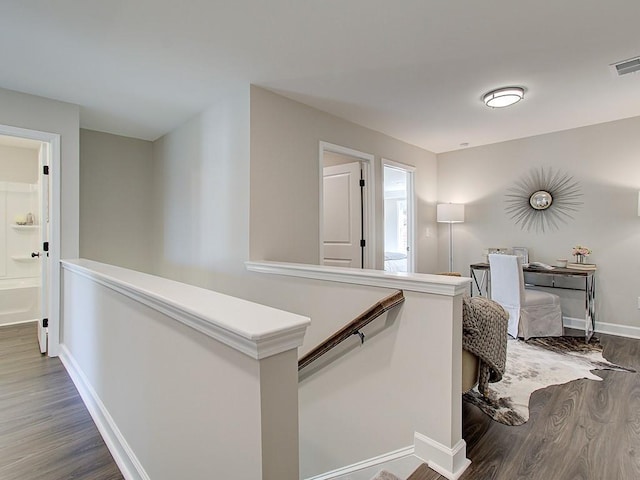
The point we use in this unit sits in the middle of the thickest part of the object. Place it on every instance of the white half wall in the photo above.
(183, 382)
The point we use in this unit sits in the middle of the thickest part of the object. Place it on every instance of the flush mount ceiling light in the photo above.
(503, 97)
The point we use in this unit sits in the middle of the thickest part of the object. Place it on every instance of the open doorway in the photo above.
(346, 213)
(28, 221)
(399, 217)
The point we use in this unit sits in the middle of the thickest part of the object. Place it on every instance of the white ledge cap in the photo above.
(256, 330)
(416, 282)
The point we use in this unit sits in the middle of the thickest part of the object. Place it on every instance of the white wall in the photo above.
(285, 181)
(18, 196)
(201, 197)
(604, 159)
(17, 242)
(116, 200)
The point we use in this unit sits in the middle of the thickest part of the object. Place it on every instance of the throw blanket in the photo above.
(484, 333)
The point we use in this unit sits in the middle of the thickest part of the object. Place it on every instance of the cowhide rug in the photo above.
(535, 364)
(385, 475)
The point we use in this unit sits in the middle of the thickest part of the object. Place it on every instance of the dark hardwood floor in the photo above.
(46, 433)
(583, 430)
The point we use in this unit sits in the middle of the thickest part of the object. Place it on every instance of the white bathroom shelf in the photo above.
(24, 258)
(25, 227)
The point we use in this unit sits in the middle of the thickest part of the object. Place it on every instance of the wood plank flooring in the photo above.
(46, 432)
(583, 430)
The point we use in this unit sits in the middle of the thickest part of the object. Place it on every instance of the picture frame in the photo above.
(523, 253)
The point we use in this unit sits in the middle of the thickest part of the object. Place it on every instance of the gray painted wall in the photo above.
(604, 159)
(18, 164)
(201, 197)
(116, 202)
(201, 223)
(285, 179)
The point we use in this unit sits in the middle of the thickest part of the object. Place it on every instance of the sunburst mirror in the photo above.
(543, 199)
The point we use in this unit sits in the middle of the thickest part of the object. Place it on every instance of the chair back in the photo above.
(507, 286)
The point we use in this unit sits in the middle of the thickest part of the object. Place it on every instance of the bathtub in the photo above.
(19, 300)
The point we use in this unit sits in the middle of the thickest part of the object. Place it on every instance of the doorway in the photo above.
(346, 213)
(32, 257)
(399, 217)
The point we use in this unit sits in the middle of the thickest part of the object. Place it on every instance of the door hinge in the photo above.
(363, 243)
(45, 169)
(45, 322)
(362, 182)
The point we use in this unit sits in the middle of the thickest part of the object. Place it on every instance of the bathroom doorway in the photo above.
(25, 229)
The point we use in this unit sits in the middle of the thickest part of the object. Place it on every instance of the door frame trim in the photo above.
(368, 172)
(53, 139)
(411, 208)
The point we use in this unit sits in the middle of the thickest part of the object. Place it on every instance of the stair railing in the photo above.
(353, 328)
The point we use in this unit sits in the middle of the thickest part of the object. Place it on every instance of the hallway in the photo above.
(46, 433)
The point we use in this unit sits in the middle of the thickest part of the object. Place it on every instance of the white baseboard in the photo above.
(122, 453)
(448, 462)
(18, 322)
(376, 462)
(603, 327)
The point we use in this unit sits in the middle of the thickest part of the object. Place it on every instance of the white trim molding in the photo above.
(603, 327)
(448, 462)
(378, 461)
(416, 282)
(122, 453)
(255, 330)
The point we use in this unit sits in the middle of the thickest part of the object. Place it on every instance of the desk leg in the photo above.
(481, 284)
(590, 306)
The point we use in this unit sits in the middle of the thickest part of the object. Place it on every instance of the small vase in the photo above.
(580, 258)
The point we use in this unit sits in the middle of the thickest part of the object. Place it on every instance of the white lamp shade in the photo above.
(450, 213)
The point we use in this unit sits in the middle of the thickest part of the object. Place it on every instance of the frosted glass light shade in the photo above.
(450, 213)
(503, 97)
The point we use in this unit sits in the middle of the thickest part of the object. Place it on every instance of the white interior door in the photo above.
(45, 266)
(342, 212)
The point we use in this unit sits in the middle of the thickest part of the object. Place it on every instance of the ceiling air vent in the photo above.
(627, 66)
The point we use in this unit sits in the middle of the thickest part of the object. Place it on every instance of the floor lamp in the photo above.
(450, 213)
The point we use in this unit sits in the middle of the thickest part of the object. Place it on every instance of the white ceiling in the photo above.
(414, 69)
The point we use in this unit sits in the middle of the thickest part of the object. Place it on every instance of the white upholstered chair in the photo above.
(532, 313)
